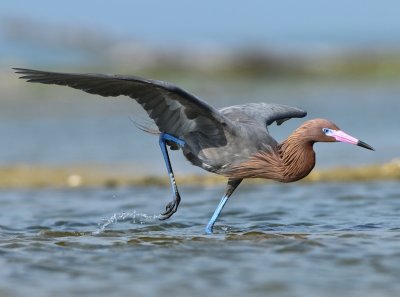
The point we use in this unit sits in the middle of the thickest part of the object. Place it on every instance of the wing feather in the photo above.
(174, 110)
(262, 114)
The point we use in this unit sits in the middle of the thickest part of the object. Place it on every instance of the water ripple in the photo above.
(282, 246)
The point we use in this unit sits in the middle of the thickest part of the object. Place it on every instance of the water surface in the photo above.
(336, 239)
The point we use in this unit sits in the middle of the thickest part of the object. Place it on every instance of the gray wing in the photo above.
(251, 135)
(174, 110)
(262, 114)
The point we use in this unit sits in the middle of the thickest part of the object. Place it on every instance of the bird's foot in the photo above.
(171, 208)
(209, 229)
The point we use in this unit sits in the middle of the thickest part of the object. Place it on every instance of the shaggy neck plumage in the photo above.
(293, 159)
(297, 155)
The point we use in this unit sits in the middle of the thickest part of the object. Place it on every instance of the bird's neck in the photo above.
(297, 157)
(292, 160)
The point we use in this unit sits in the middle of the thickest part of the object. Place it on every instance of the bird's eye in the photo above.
(325, 130)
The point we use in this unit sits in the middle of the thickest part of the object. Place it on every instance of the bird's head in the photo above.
(321, 130)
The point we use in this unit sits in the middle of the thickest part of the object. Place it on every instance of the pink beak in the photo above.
(344, 137)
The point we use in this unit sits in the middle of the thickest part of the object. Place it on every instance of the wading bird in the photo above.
(233, 141)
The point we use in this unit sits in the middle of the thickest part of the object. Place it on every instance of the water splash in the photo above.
(131, 217)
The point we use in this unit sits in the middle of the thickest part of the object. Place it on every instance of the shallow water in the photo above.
(337, 239)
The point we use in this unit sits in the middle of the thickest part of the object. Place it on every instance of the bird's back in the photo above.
(246, 136)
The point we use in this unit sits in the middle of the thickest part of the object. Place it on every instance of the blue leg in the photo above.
(171, 207)
(210, 225)
(230, 188)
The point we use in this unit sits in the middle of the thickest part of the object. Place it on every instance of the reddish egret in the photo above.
(233, 141)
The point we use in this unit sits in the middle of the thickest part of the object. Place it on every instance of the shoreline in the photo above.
(75, 176)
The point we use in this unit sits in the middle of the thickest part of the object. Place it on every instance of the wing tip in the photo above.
(299, 112)
(22, 71)
(291, 112)
(30, 75)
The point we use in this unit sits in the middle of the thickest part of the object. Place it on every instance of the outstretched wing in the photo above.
(174, 110)
(263, 114)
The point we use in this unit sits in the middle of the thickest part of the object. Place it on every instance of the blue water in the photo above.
(277, 240)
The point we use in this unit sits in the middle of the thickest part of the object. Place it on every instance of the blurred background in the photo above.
(338, 60)
(74, 221)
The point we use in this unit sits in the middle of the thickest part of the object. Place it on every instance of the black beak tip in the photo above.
(364, 145)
